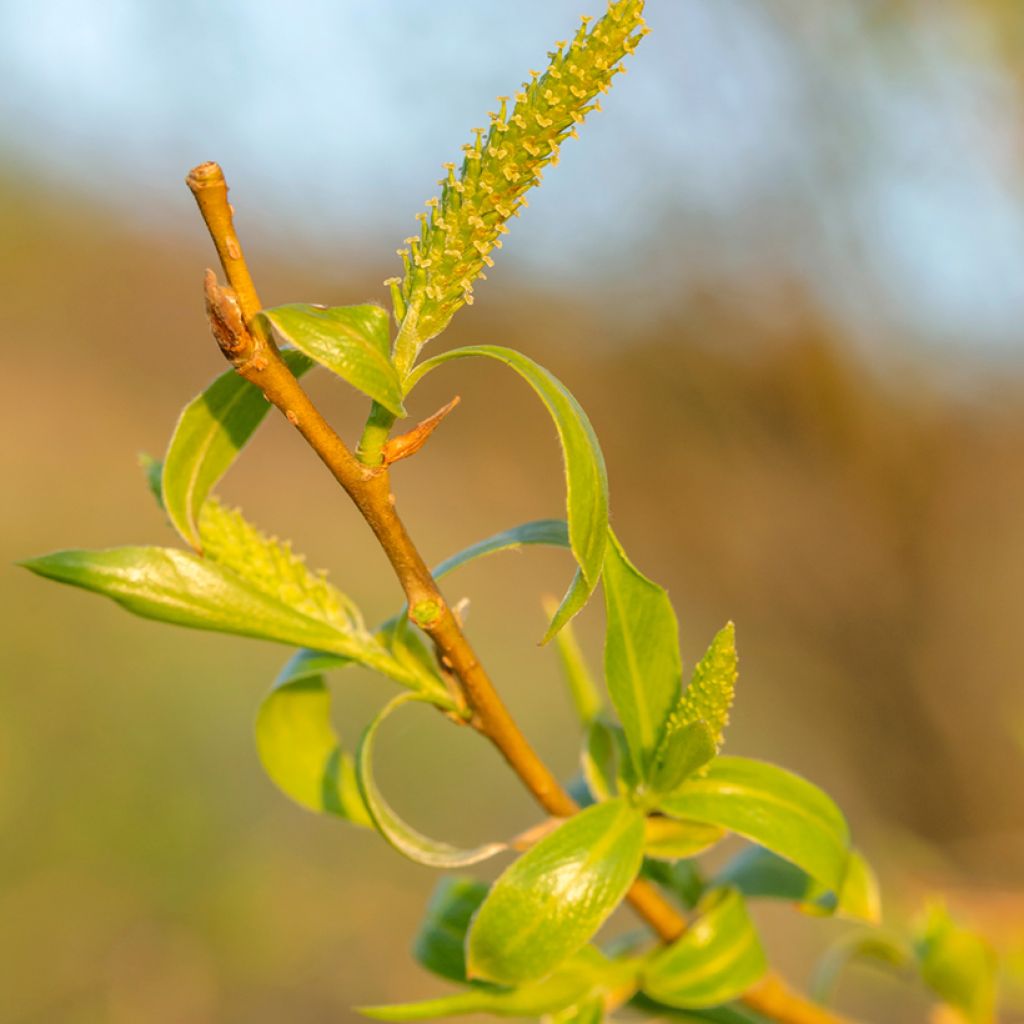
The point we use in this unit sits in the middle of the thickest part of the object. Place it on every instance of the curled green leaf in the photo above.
(585, 474)
(715, 960)
(400, 835)
(298, 746)
(552, 900)
(212, 429)
(671, 839)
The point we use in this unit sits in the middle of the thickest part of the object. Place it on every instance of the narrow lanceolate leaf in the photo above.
(298, 746)
(551, 901)
(770, 806)
(641, 655)
(585, 475)
(568, 986)
(958, 965)
(351, 341)
(544, 532)
(400, 835)
(174, 586)
(715, 960)
(709, 696)
(464, 226)
(440, 944)
(212, 429)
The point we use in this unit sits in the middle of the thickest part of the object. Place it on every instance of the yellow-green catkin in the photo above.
(463, 226)
(271, 566)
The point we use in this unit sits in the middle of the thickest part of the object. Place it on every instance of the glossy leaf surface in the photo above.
(586, 478)
(298, 746)
(552, 900)
(440, 944)
(772, 807)
(401, 836)
(715, 960)
(212, 429)
(641, 655)
(351, 341)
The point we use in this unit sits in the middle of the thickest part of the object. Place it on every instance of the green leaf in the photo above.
(211, 431)
(683, 750)
(603, 751)
(669, 839)
(715, 960)
(351, 341)
(549, 902)
(759, 873)
(441, 941)
(709, 696)
(732, 1014)
(641, 655)
(153, 470)
(770, 806)
(401, 836)
(958, 965)
(566, 987)
(298, 746)
(178, 587)
(586, 697)
(586, 478)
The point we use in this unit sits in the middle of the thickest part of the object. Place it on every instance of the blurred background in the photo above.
(783, 271)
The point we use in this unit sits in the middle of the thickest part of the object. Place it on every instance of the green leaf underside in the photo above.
(683, 750)
(714, 961)
(550, 532)
(566, 987)
(440, 944)
(641, 655)
(552, 900)
(299, 748)
(401, 836)
(212, 429)
(586, 478)
(351, 341)
(760, 874)
(732, 1014)
(772, 807)
(175, 586)
(712, 687)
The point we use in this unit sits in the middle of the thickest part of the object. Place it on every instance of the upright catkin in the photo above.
(463, 226)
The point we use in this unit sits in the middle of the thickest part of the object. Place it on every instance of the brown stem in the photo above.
(257, 360)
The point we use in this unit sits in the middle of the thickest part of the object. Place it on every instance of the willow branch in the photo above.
(256, 358)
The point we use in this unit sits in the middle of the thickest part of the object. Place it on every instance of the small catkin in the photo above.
(464, 226)
(712, 688)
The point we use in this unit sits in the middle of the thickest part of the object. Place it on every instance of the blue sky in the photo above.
(879, 169)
